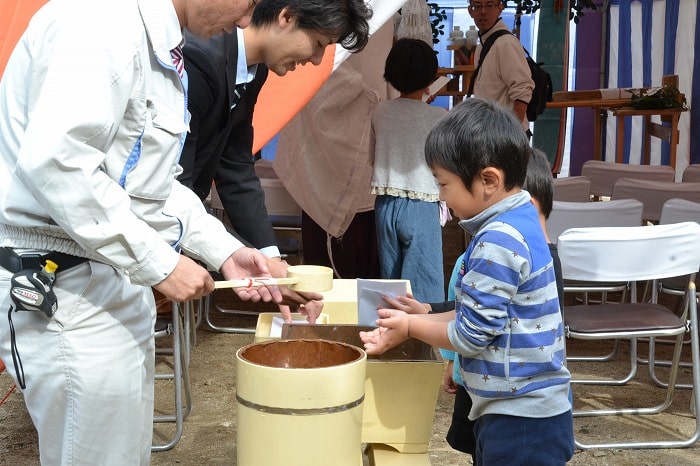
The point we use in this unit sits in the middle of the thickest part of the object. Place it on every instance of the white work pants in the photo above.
(89, 370)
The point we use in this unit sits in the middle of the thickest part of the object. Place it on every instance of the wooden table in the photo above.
(591, 99)
(670, 133)
(618, 101)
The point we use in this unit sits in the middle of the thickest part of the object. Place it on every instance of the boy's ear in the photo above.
(492, 179)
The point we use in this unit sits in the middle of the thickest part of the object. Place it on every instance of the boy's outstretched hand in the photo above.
(392, 331)
(407, 303)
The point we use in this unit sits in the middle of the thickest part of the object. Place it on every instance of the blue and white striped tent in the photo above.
(647, 40)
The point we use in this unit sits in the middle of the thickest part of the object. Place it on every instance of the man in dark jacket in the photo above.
(225, 76)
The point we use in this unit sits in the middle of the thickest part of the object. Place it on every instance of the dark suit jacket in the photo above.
(219, 145)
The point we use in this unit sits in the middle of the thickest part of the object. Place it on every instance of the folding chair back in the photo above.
(653, 194)
(565, 215)
(572, 189)
(630, 253)
(691, 173)
(603, 175)
(677, 211)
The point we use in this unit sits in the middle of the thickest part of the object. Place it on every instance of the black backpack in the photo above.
(541, 94)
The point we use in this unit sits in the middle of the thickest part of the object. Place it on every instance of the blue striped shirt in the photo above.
(508, 329)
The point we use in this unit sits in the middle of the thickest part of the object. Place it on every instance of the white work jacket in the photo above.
(92, 119)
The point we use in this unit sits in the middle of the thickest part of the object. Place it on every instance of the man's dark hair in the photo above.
(539, 181)
(345, 19)
(477, 134)
(410, 65)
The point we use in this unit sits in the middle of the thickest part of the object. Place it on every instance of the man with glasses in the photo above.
(504, 75)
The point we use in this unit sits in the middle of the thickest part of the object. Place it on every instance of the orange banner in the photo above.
(13, 21)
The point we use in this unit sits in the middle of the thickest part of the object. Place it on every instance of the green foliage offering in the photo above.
(660, 98)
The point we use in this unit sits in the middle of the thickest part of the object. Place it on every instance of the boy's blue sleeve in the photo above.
(454, 278)
(494, 268)
(450, 355)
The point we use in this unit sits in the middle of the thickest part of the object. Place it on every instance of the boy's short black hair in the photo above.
(477, 134)
(539, 181)
(411, 65)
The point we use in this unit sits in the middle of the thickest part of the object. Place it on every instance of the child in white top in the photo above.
(407, 210)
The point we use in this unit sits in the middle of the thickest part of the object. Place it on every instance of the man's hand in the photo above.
(248, 262)
(295, 299)
(187, 281)
(520, 110)
(461, 58)
(311, 310)
(278, 269)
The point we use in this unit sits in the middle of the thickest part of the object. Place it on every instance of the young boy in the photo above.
(539, 183)
(507, 327)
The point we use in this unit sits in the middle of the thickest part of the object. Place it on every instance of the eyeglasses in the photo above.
(474, 7)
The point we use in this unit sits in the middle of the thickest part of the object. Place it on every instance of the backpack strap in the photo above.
(484, 50)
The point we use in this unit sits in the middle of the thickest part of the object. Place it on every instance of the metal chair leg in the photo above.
(180, 375)
(695, 399)
(211, 303)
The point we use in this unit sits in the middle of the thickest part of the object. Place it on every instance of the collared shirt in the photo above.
(244, 73)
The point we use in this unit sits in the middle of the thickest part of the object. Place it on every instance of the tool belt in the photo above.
(14, 262)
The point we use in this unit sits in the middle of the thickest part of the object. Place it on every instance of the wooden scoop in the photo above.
(299, 278)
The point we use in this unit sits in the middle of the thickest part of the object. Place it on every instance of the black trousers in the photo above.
(460, 436)
(355, 254)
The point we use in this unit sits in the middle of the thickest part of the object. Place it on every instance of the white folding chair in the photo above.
(567, 215)
(634, 254)
(673, 211)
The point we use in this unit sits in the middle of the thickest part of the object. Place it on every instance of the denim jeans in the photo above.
(409, 237)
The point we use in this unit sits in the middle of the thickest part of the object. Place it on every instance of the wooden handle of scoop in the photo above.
(252, 282)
